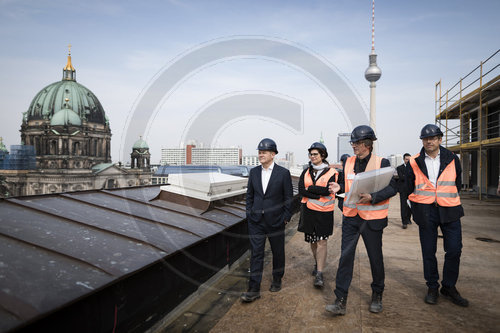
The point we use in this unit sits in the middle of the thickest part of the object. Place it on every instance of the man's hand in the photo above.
(286, 222)
(333, 187)
(365, 198)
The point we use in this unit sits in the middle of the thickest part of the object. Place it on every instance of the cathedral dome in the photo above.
(66, 94)
(67, 125)
(65, 117)
(140, 144)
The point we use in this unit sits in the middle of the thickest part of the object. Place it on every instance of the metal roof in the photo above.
(57, 248)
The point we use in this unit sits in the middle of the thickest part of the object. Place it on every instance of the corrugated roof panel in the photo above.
(113, 221)
(28, 272)
(57, 248)
(146, 211)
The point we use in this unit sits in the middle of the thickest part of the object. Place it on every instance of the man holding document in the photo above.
(368, 185)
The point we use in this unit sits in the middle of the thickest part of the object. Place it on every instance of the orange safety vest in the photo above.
(324, 203)
(446, 193)
(365, 211)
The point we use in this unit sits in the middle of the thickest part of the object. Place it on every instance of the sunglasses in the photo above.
(313, 154)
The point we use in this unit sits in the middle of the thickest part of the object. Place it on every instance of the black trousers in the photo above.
(405, 209)
(258, 232)
(352, 227)
(452, 243)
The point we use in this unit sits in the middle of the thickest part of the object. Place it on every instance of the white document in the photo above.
(369, 182)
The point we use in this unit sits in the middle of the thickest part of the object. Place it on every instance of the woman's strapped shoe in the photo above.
(315, 270)
(318, 280)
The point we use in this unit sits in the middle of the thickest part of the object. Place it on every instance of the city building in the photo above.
(173, 156)
(468, 113)
(252, 160)
(395, 160)
(343, 145)
(201, 156)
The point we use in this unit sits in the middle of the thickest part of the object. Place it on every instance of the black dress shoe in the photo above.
(453, 295)
(337, 308)
(250, 296)
(405, 226)
(275, 285)
(376, 304)
(432, 296)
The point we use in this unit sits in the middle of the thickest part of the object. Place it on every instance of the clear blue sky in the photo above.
(119, 47)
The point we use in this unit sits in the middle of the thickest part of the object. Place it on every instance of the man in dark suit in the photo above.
(403, 193)
(268, 210)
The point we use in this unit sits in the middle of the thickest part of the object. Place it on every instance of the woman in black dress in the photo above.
(317, 206)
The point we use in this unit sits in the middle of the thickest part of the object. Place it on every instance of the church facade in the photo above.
(68, 128)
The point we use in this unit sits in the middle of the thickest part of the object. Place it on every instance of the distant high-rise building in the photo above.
(290, 157)
(173, 156)
(216, 156)
(192, 155)
(395, 160)
(343, 145)
(287, 162)
(251, 160)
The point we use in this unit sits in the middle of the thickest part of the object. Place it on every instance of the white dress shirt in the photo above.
(432, 165)
(266, 175)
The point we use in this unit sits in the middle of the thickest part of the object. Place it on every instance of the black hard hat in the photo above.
(362, 132)
(268, 144)
(344, 157)
(430, 130)
(319, 146)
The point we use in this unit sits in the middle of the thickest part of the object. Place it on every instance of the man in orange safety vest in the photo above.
(434, 179)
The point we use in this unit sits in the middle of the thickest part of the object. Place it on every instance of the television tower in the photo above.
(373, 73)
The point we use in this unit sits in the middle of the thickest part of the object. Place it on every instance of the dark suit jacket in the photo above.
(401, 178)
(275, 206)
(421, 211)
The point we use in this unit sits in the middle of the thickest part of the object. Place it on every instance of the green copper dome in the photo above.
(65, 117)
(66, 94)
(140, 144)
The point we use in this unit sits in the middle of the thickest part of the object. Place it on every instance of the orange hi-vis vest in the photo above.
(446, 193)
(365, 211)
(324, 203)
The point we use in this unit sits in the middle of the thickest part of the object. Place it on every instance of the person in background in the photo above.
(268, 210)
(367, 217)
(434, 180)
(340, 199)
(317, 206)
(403, 195)
(498, 188)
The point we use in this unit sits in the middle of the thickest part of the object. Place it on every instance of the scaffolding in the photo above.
(21, 157)
(468, 113)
